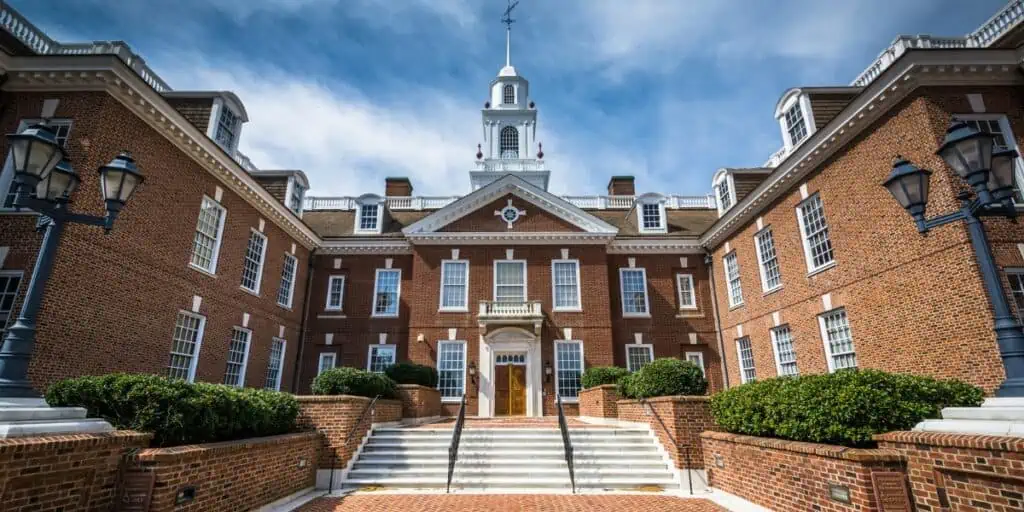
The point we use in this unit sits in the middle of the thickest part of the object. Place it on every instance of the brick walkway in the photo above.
(508, 503)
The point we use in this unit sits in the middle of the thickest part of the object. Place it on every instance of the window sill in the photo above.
(688, 308)
(451, 400)
(569, 400)
(333, 310)
(284, 306)
(385, 316)
(636, 315)
(328, 316)
(567, 310)
(690, 313)
(202, 270)
(250, 292)
(736, 306)
(453, 310)
(773, 290)
(821, 269)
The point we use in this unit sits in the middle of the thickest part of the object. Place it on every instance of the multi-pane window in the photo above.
(633, 282)
(507, 358)
(650, 217)
(785, 354)
(697, 358)
(724, 194)
(287, 289)
(380, 357)
(1016, 278)
(451, 369)
(9, 283)
(795, 124)
(732, 279)
(61, 128)
(637, 356)
(508, 94)
(227, 125)
(327, 360)
(509, 142)
(252, 267)
(838, 341)
(746, 356)
(817, 244)
(369, 217)
(568, 368)
(687, 298)
(238, 356)
(510, 281)
(455, 285)
(295, 199)
(188, 335)
(335, 293)
(209, 229)
(767, 259)
(386, 292)
(274, 365)
(1000, 129)
(566, 284)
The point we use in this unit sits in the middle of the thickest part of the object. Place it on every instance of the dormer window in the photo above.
(795, 125)
(369, 214)
(725, 192)
(795, 119)
(227, 129)
(295, 197)
(508, 94)
(651, 214)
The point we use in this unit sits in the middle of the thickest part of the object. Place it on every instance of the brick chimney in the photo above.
(397, 187)
(621, 186)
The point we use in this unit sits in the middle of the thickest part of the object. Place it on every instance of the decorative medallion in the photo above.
(510, 214)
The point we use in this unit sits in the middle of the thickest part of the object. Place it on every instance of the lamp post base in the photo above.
(995, 417)
(23, 417)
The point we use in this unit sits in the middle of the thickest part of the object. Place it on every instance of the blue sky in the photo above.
(351, 91)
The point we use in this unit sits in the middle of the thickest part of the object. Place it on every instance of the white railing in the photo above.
(512, 164)
(510, 310)
(673, 202)
(686, 202)
(36, 40)
(329, 203)
(1007, 18)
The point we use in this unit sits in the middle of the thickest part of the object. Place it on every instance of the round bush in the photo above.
(664, 377)
(353, 381)
(178, 412)
(844, 408)
(412, 373)
(601, 375)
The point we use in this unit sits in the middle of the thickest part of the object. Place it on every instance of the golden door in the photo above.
(517, 390)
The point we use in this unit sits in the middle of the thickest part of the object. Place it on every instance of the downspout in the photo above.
(297, 371)
(718, 321)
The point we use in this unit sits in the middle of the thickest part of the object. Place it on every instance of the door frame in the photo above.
(510, 339)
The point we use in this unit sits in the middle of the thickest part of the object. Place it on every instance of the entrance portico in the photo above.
(508, 342)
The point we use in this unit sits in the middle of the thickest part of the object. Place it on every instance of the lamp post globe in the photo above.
(969, 153)
(35, 152)
(58, 183)
(118, 181)
(1000, 177)
(908, 184)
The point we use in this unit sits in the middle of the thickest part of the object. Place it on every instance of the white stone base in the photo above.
(995, 417)
(22, 417)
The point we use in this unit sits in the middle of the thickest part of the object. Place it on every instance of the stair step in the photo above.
(472, 473)
(474, 462)
(441, 481)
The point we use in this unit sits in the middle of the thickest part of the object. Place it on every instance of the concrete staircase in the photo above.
(513, 459)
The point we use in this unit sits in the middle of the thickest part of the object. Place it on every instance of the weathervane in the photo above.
(506, 18)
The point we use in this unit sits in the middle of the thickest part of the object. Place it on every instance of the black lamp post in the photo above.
(990, 175)
(44, 181)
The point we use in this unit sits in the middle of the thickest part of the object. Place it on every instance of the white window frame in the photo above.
(240, 383)
(389, 347)
(829, 356)
(700, 357)
(200, 331)
(291, 283)
(465, 292)
(280, 369)
(369, 200)
(235, 129)
(293, 185)
(739, 360)
(323, 357)
(680, 277)
(647, 200)
(568, 400)
(554, 293)
(494, 268)
(762, 266)
(806, 242)
(13, 313)
(622, 293)
(1016, 292)
(376, 289)
(217, 241)
(804, 102)
(1011, 139)
(262, 261)
(733, 303)
(650, 352)
(341, 296)
(726, 178)
(465, 364)
(774, 332)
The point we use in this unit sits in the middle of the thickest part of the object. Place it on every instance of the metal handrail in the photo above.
(348, 439)
(453, 448)
(689, 467)
(567, 443)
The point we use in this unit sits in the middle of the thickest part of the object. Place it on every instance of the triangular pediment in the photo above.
(512, 208)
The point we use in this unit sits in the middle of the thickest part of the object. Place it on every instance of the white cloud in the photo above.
(458, 11)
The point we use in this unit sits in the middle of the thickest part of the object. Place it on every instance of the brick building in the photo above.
(803, 265)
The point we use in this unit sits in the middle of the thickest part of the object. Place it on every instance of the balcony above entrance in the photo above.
(499, 314)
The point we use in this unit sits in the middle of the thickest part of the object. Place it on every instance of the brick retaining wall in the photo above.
(684, 418)
(334, 416)
(419, 401)
(599, 401)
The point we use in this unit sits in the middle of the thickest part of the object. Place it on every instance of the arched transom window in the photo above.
(508, 94)
(509, 142)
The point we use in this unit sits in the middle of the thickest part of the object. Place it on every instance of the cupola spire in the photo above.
(506, 18)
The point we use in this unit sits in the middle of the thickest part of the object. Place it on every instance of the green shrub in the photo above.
(844, 408)
(353, 381)
(601, 375)
(178, 412)
(664, 377)
(412, 373)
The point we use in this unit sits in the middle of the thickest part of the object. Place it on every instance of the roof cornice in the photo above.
(655, 246)
(511, 237)
(365, 247)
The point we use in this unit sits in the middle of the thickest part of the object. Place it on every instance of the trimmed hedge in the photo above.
(353, 381)
(412, 373)
(178, 412)
(601, 375)
(843, 408)
(664, 377)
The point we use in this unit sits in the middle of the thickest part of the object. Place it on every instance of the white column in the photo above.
(524, 141)
(485, 380)
(534, 380)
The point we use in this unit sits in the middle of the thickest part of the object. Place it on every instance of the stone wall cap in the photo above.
(309, 399)
(667, 399)
(823, 450)
(42, 443)
(602, 386)
(955, 440)
(418, 386)
(173, 453)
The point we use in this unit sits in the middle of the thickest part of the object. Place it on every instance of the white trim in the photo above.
(376, 288)
(280, 370)
(291, 284)
(386, 347)
(215, 256)
(651, 199)
(465, 292)
(341, 299)
(773, 333)
(554, 295)
(245, 355)
(700, 355)
(761, 268)
(739, 360)
(554, 352)
(728, 280)
(465, 366)
(333, 356)
(369, 200)
(655, 246)
(200, 331)
(679, 291)
(494, 268)
(262, 262)
(829, 357)
(726, 176)
(805, 241)
(383, 247)
(513, 237)
(650, 352)
(622, 294)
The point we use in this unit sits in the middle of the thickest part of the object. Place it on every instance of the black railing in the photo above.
(675, 445)
(453, 448)
(348, 440)
(567, 443)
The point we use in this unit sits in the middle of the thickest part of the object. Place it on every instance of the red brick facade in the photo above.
(419, 401)
(599, 401)
(678, 421)
(335, 416)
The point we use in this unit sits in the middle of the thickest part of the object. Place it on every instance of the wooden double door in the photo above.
(510, 390)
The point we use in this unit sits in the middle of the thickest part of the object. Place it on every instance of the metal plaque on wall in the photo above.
(891, 491)
(136, 490)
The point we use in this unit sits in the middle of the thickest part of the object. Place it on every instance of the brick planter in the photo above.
(789, 476)
(233, 475)
(419, 401)
(68, 472)
(962, 471)
(683, 419)
(599, 402)
(334, 416)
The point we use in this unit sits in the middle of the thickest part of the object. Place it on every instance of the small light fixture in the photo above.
(547, 368)
(969, 153)
(59, 183)
(908, 184)
(118, 181)
(35, 153)
(1000, 177)
(472, 367)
